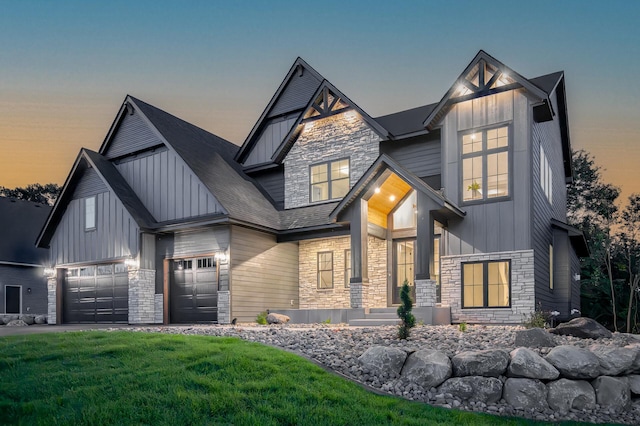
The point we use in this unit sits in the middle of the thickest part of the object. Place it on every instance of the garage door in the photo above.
(96, 294)
(194, 291)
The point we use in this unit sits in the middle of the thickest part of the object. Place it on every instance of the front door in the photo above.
(403, 264)
(12, 299)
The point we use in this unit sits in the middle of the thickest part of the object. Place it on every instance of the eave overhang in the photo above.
(578, 241)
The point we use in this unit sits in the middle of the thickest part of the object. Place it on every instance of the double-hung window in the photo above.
(486, 284)
(485, 164)
(329, 180)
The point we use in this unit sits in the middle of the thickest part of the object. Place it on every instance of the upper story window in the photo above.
(90, 213)
(485, 164)
(329, 180)
(546, 176)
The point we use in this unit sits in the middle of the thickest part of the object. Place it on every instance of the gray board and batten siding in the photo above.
(115, 235)
(264, 273)
(133, 135)
(421, 155)
(270, 139)
(492, 226)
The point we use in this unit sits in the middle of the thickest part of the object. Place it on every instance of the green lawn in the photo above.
(135, 378)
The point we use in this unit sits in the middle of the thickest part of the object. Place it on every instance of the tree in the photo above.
(408, 321)
(629, 243)
(591, 207)
(43, 194)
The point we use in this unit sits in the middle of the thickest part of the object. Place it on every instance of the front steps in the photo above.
(377, 316)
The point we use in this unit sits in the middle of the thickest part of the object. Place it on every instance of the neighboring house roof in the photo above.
(447, 209)
(21, 221)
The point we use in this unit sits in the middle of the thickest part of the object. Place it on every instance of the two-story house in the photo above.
(324, 211)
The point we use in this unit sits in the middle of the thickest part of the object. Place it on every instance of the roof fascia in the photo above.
(248, 142)
(284, 147)
(561, 96)
(482, 55)
(171, 148)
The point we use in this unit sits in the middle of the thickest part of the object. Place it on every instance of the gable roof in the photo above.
(295, 131)
(482, 57)
(21, 221)
(384, 162)
(111, 178)
(406, 123)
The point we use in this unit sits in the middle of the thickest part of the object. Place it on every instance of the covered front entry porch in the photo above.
(392, 205)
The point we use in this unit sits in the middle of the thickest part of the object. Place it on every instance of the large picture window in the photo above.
(329, 181)
(325, 270)
(485, 164)
(486, 284)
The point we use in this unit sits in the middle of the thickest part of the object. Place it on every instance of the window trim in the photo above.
(551, 283)
(318, 270)
(485, 285)
(484, 153)
(329, 180)
(546, 175)
(347, 269)
(95, 213)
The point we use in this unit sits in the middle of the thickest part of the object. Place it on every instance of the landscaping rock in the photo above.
(277, 319)
(381, 359)
(473, 388)
(489, 363)
(17, 323)
(585, 328)
(614, 361)
(612, 392)
(534, 338)
(427, 368)
(6, 319)
(565, 395)
(574, 363)
(28, 319)
(635, 365)
(525, 394)
(528, 364)
(634, 383)
(41, 319)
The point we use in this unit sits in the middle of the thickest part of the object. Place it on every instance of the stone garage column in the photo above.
(224, 307)
(359, 282)
(142, 289)
(52, 284)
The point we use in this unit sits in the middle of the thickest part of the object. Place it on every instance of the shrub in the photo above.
(462, 326)
(261, 318)
(408, 321)
(537, 319)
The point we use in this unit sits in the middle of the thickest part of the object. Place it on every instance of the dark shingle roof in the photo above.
(547, 82)
(21, 222)
(406, 122)
(306, 217)
(212, 159)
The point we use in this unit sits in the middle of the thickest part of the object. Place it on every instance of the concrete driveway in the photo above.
(45, 328)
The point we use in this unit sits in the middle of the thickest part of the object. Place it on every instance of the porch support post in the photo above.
(425, 286)
(359, 281)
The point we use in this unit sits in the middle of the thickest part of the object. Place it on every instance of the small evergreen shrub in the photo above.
(262, 318)
(408, 321)
(462, 326)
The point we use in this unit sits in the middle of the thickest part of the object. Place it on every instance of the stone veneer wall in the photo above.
(339, 296)
(224, 307)
(142, 289)
(344, 135)
(159, 308)
(522, 288)
(51, 300)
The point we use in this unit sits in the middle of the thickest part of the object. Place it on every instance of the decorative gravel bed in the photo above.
(338, 347)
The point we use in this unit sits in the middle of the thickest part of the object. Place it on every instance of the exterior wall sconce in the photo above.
(29, 290)
(132, 263)
(576, 277)
(221, 257)
(49, 272)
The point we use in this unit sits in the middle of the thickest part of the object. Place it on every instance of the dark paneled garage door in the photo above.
(194, 291)
(96, 293)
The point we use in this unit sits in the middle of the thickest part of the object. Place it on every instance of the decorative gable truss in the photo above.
(326, 104)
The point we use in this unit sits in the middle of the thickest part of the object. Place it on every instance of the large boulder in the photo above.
(525, 394)
(41, 319)
(427, 368)
(565, 394)
(634, 383)
(6, 319)
(613, 360)
(277, 319)
(535, 338)
(635, 365)
(573, 362)
(17, 323)
(28, 319)
(612, 392)
(585, 328)
(381, 360)
(474, 388)
(488, 363)
(528, 364)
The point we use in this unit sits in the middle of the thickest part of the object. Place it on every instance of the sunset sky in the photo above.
(66, 66)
